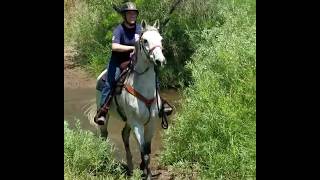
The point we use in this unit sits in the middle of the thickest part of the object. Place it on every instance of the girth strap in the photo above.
(135, 93)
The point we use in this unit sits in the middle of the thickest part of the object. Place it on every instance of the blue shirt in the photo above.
(124, 36)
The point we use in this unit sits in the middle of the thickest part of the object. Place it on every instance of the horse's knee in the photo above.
(144, 165)
(104, 133)
(146, 159)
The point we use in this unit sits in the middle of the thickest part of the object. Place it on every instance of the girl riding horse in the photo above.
(124, 37)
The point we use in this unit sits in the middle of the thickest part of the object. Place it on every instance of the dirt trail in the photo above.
(75, 77)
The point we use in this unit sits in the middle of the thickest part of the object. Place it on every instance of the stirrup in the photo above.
(100, 117)
(101, 120)
(167, 109)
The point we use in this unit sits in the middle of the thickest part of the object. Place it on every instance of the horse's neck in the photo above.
(142, 63)
(144, 83)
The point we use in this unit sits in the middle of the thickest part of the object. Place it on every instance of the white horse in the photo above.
(139, 100)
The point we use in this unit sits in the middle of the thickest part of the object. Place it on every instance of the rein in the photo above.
(164, 121)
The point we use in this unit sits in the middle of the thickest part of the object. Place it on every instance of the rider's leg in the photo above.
(106, 93)
(109, 85)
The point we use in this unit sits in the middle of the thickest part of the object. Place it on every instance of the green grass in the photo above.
(88, 157)
(215, 130)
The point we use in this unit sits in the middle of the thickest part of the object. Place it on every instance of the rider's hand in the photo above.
(133, 51)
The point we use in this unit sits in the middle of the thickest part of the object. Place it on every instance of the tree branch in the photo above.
(166, 20)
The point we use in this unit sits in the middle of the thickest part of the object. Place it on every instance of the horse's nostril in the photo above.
(158, 62)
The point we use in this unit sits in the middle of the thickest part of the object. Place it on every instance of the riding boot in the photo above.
(100, 117)
(166, 108)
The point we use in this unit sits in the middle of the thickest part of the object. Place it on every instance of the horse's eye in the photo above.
(145, 41)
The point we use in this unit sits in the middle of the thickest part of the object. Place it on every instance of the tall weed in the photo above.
(216, 128)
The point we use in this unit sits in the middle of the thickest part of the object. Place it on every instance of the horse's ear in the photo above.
(156, 24)
(143, 24)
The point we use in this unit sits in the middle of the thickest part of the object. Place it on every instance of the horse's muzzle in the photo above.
(158, 63)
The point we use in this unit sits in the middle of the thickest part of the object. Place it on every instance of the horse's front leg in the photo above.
(144, 166)
(145, 158)
(149, 131)
(125, 138)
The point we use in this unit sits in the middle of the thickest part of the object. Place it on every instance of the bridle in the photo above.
(148, 54)
(145, 51)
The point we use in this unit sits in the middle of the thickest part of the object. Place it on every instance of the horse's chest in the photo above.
(134, 107)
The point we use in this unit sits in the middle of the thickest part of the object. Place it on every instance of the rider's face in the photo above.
(131, 16)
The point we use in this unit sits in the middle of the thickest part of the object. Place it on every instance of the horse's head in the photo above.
(150, 43)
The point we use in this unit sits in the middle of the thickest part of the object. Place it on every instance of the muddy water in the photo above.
(75, 101)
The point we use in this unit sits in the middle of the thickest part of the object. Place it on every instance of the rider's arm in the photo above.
(121, 48)
(116, 45)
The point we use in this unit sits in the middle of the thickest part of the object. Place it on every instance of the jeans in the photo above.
(113, 74)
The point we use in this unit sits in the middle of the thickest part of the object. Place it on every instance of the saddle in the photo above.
(124, 69)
